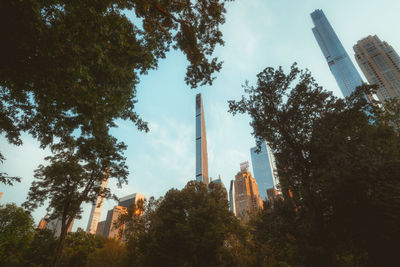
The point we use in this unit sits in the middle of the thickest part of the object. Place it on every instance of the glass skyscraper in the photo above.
(262, 169)
(342, 68)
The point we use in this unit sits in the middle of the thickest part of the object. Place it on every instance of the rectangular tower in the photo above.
(262, 169)
(201, 143)
(344, 71)
(247, 197)
(380, 64)
(95, 213)
(232, 200)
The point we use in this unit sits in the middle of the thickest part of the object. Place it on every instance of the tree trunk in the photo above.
(61, 242)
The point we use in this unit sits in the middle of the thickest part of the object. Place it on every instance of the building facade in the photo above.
(232, 201)
(263, 169)
(130, 200)
(55, 226)
(201, 143)
(247, 197)
(110, 229)
(339, 62)
(381, 66)
(95, 213)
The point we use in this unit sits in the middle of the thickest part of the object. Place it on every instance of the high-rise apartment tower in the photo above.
(95, 213)
(380, 65)
(201, 143)
(344, 71)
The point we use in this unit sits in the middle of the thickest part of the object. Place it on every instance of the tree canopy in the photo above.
(338, 163)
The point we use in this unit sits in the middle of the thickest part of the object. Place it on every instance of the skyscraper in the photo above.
(247, 198)
(344, 71)
(55, 226)
(129, 200)
(380, 64)
(232, 200)
(219, 181)
(262, 168)
(110, 228)
(95, 213)
(201, 143)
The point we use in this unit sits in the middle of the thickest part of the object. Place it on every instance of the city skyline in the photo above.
(167, 103)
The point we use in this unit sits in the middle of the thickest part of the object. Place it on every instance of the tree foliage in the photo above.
(338, 163)
(188, 227)
(16, 233)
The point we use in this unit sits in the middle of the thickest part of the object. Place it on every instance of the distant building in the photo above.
(55, 226)
(201, 143)
(339, 62)
(247, 197)
(381, 66)
(219, 181)
(1, 195)
(95, 213)
(110, 230)
(42, 223)
(129, 200)
(262, 168)
(100, 228)
(232, 194)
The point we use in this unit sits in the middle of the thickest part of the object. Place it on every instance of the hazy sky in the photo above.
(258, 34)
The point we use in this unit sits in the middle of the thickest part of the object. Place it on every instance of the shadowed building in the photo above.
(247, 197)
(219, 181)
(95, 213)
(100, 228)
(201, 143)
(381, 66)
(110, 229)
(55, 226)
(339, 62)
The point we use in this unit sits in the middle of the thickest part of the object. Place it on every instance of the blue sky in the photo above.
(258, 34)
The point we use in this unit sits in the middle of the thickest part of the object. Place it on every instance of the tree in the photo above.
(41, 250)
(79, 246)
(71, 66)
(73, 177)
(69, 69)
(16, 233)
(338, 165)
(112, 254)
(188, 227)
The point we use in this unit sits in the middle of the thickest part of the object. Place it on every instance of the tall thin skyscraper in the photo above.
(201, 143)
(95, 213)
(344, 71)
(380, 64)
(262, 169)
(232, 195)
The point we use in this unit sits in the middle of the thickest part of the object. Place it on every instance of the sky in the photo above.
(257, 34)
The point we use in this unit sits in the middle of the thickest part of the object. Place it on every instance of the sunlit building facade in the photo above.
(201, 143)
(232, 195)
(95, 213)
(381, 66)
(339, 62)
(247, 197)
